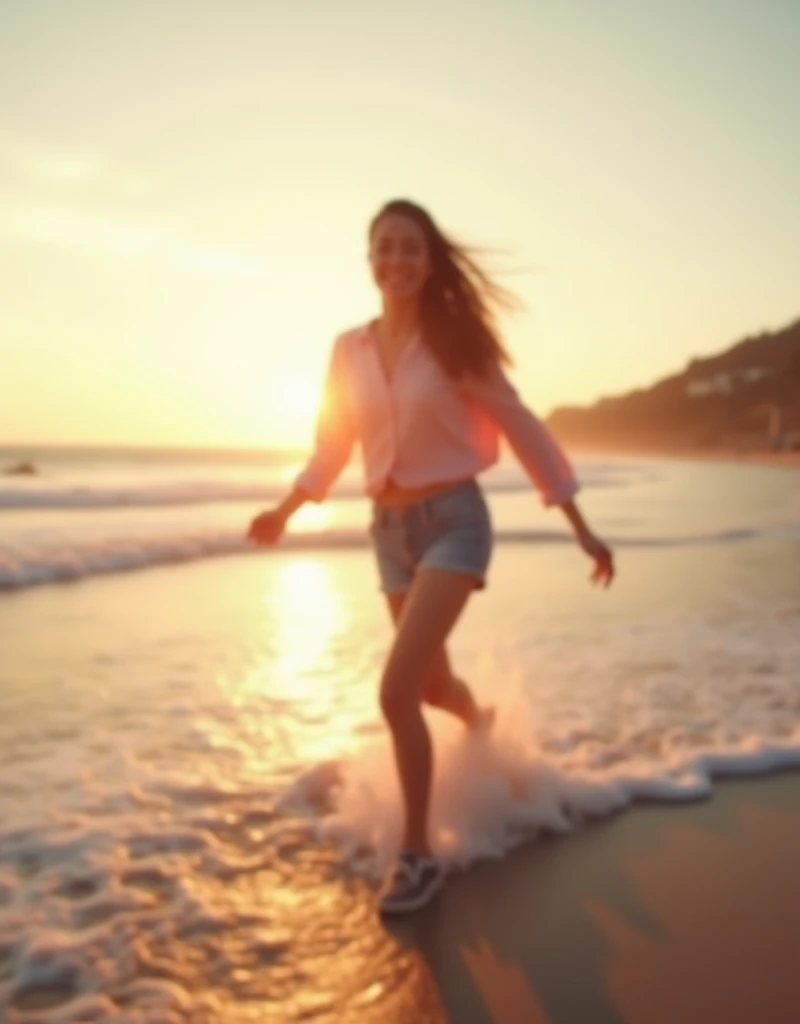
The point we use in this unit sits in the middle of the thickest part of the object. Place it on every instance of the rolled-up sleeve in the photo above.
(537, 450)
(335, 431)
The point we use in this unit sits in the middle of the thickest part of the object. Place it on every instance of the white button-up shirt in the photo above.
(422, 428)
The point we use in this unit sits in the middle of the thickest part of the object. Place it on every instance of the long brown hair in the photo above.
(458, 301)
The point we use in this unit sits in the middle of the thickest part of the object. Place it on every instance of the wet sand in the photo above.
(661, 915)
(785, 460)
(164, 878)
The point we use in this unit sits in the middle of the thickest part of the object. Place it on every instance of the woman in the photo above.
(423, 391)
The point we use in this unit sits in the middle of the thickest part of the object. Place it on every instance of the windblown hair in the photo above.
(458, 302)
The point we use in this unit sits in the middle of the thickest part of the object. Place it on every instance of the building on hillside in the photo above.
(725, 383)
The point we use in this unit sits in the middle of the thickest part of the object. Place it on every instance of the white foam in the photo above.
(217, 764)
(122, 524)
(33, 561)
(88, 902)
(492, 793)
(39, 495)
(138, 489)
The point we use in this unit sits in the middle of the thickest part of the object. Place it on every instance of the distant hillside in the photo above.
(747, 396)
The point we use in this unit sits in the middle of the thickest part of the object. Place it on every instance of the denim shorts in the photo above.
(452, 530)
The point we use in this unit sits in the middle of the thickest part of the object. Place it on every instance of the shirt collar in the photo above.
(368, 336)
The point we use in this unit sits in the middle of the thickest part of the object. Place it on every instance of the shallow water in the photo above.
(196, 789)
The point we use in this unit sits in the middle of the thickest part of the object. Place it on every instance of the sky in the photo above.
(185, 189)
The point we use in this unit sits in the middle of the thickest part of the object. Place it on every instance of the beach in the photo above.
(261, 257)
(197, 798)
(660, 915)
(789, 459)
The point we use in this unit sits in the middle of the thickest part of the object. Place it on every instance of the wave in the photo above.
(39, 494)
(492, 795)
(153, 496)
(29, 564)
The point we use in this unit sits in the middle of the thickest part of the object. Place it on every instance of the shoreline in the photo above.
(781, 460)
(657, 914)
(228, 898)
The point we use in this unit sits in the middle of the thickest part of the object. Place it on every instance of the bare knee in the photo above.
(399, 699)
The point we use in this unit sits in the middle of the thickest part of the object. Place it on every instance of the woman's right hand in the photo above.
(267, 527)
(601, 556)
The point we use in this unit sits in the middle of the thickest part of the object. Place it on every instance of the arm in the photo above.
(334, 439)
(542, 459)
(575, 519)
(335, 436)
(532, 443)
(294, 500)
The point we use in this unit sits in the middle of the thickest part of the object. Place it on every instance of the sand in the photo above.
(784, 460)
(181, 885)
(754, 457)
(663, 915)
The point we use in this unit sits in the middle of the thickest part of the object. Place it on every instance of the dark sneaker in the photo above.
(412, 882)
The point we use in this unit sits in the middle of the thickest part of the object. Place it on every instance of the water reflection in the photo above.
(312, 518)
(306, 615)
(300, 702)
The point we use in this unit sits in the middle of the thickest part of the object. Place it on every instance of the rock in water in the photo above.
(21, 469)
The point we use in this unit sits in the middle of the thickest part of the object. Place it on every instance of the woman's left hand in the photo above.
(603, 572)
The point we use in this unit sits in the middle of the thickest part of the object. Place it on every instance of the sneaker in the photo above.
(412, 882)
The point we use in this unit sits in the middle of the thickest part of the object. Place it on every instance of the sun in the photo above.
(299, 394)
(297, 398)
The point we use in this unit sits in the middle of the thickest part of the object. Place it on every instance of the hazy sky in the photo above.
(185, 188)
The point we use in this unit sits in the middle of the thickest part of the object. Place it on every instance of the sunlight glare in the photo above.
(301, 672)
(297, 398)
(312, 518)
(308, 613)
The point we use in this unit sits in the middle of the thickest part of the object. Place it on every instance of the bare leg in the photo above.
(430, 611)
(442, 689)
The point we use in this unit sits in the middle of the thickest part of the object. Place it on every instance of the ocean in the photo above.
(196, 788)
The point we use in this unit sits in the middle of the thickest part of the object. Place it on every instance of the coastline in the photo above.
(205, 902)
(661, 914)
(782, 460)
(658, 914)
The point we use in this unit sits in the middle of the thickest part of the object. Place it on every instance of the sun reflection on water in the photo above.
(307, 614)
(301, 702)
(312, 519)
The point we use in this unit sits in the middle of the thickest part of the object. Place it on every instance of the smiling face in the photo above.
(399, 257)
